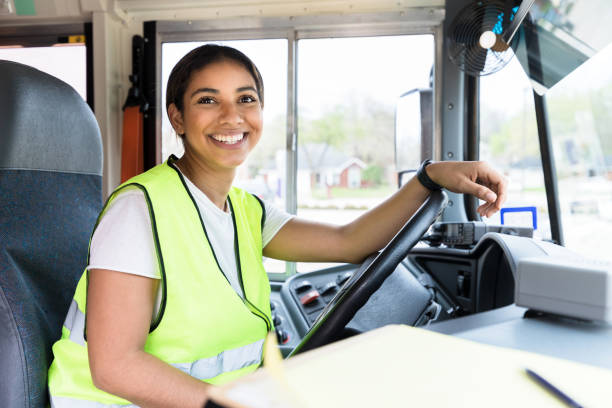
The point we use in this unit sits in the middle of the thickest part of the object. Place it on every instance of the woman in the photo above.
(176, 291)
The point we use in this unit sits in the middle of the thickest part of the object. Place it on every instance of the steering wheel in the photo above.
(357, 290)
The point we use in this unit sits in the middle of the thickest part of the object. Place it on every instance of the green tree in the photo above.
(373, 174)
(510, 139)
(361, 128)
(329, 129)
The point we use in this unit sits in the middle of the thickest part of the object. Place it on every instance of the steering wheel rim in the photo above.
(358, 289)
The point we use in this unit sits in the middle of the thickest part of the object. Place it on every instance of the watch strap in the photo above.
(424, 179)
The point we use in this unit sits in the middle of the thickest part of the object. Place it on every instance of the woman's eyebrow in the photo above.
(216, 91)
(246, 88)
(207, 90)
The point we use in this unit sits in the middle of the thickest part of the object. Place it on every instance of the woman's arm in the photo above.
(303, 240)
(119, 308)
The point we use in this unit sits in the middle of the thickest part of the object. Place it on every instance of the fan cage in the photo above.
(463, 47)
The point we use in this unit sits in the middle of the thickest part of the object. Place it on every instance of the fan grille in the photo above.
(464, 34)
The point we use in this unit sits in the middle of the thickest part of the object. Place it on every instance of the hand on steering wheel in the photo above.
(358, 289)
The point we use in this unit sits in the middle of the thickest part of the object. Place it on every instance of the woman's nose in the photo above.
(230, 113)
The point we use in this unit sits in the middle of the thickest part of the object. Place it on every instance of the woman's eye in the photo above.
(206, 100)
(247, 99)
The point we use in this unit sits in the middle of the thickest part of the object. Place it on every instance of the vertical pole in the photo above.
(90, 65)
(292, 126)
(472, 137)
(546, 151)
(105, 60)
(548, 166)
(152, 150)
(452, 112)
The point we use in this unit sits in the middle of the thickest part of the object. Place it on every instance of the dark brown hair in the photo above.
(197, 59)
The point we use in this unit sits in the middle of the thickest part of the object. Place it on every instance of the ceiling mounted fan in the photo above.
(481, 38)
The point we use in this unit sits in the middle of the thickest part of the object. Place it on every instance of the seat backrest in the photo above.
(50, 195)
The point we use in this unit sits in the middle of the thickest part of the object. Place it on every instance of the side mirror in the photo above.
(402, 177)
(413, 131)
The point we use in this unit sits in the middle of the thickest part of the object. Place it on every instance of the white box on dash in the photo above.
(570, 286)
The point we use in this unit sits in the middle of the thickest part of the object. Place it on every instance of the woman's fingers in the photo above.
(475, 178)
(482, 192)
(486, 210)
(496, 183)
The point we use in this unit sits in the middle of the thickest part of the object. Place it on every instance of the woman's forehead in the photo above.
(225, 73)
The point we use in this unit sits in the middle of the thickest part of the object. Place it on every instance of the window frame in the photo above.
(49, 35)
(292, 28)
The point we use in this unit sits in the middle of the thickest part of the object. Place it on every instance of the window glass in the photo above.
(263, 173)
(581, 126)
(509, 142)
(348, 89)
(67, 62)
(563, 35)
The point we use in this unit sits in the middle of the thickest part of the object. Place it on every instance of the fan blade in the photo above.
(500, 45)
(520, 15)
(476, 58)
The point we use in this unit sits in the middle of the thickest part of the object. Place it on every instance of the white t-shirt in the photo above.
(123, 240)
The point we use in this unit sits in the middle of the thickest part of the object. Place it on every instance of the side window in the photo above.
(348, 89)
(581, 129)
(67, 62)
(509, 141)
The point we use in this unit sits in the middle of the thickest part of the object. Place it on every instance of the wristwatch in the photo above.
(424, 178)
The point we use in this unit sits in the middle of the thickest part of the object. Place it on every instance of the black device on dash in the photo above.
(466, 234)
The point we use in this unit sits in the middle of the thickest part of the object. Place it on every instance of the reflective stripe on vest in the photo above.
(75, 322)
(228, 360)
(67, 402)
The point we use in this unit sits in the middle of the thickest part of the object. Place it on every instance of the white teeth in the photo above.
(229, 139)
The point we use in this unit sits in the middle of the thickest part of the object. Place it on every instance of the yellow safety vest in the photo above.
(203, 327)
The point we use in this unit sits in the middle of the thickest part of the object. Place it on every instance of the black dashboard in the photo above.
(431, 284)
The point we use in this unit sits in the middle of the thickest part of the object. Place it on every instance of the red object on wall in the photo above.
(132, 151)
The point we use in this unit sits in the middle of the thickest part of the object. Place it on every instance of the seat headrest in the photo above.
(46, 124)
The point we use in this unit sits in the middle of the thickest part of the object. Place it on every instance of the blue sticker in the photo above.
(532, 210)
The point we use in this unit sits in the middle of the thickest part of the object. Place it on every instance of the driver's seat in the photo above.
(50, 184)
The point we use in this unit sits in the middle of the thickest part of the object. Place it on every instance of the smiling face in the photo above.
(222, 115)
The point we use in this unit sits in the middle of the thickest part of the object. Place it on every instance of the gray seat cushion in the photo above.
(50, 179)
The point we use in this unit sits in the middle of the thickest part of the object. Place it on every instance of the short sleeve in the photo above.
(275, 219)
(123, 240)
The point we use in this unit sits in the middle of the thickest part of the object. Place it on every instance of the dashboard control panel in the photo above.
(281, 323)
(314, 292)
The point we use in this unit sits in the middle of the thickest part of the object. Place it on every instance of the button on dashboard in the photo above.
(282, 336)
(310, 297)
(343, 278)
(329, 288)
(303, 286)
